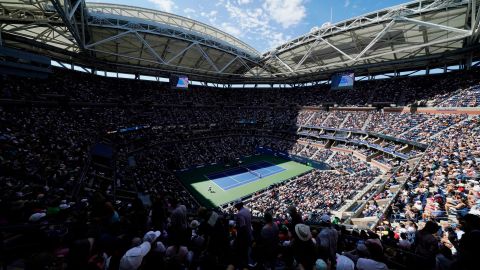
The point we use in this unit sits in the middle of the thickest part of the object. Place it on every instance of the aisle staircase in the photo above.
(344, 120)
(369, 118)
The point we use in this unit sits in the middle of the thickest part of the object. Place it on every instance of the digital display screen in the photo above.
(343, 80)
(179, 82)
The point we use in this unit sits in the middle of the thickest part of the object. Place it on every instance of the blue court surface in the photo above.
(245, 174)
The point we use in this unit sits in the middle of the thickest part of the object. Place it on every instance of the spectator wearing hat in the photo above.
(133, 258)
(344, 263)
(321, 265)
(303, 247)
(36, 217)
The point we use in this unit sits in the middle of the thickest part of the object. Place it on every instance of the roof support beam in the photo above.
(109, 39)
(205, 55)
(308, 53)
(141, 52)
(198, 62)
(84, 25)
(350, 62)
(152, 51)
(375, 40)
(181, 52)
(248, 68)
(470, 10)
(164, 52)
(474, 20)
(287, 66)
(184, 70)
(434, 25)
(217, 61)
(475, 23)
(28, 27)
(425, 40)
(337, 49)
(243, 63)
(188, 27)
(228, 64)
(62, 12)
(74, 8)
(60, 32)
(374, 18)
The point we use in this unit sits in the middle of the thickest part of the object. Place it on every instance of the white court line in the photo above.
(268, 169)
(228, 187)
(280, 169)
(223, 172)
(254, 180)
(247, 181)
(213, 182)
(243, 182)
(232, 186)
(234, 179)
(224, 189)
(241, 166)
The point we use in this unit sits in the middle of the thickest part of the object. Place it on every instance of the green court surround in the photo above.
(197, 183)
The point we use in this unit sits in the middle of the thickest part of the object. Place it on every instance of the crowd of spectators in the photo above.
(323, 155)
(356, 120)
(335, 119)
(80, 87)
(46, 152)
(371, 209)
(309, 150)
(443, 193)
(392, 162)
(394, 123)
(446, 175)
(350, 164)
(469, 97)
(423, 132)
(313, 194)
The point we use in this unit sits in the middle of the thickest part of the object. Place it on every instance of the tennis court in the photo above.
(242, 175)
(257, 172)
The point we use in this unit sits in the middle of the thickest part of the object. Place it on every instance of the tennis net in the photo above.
(253, 172)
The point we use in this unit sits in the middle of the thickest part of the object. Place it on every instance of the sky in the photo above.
(264, 24)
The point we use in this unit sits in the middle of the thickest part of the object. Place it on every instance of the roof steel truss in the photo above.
(161, 23)
(195, 45)
(303, 48)
(132, 37)
(124, 26)
(475, 22)
(416, 7)
(37, 20)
